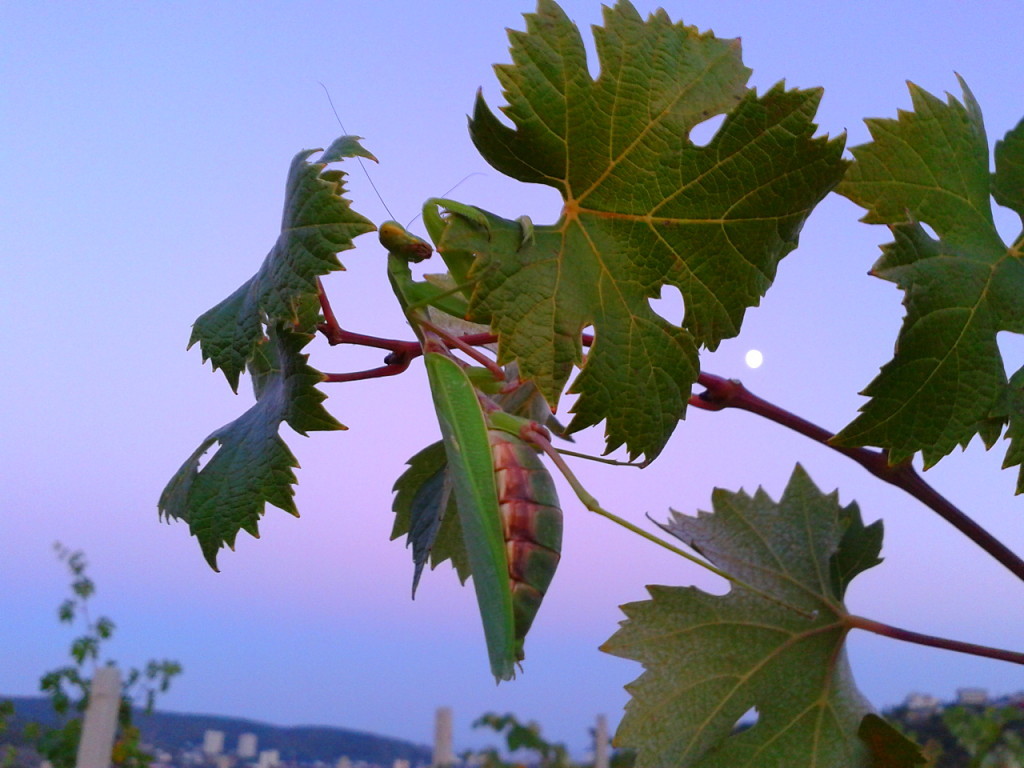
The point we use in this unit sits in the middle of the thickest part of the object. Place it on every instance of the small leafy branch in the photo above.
(993, 736)
(518, 736)
(68, 686)
(501, 330)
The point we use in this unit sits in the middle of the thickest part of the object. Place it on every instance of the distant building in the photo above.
(213, 742)
(971, 696)
(922, 704)
(191, 757)
(344, 762)
(269, 758)
(247, 746)
(400, 763)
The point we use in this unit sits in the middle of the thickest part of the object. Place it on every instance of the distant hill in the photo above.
(174, 731)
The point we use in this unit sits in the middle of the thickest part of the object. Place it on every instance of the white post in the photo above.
(444, 755)
(601, 743)
(100, 723)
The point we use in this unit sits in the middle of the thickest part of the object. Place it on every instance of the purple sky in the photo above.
(146, 146)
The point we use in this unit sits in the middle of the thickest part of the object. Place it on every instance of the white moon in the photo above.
(754, 358)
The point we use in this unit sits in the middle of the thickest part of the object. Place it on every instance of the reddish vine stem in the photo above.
(330, 321)
(335, 334)
(728, 393)
(372, 373)
(401, 353)
(459, 343)
(886, 630)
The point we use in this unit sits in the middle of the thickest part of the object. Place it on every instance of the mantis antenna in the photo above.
(448, 191)
(361, 164)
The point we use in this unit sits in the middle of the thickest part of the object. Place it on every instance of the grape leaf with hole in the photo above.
(252, 465)
(644, 207)
(774, 642)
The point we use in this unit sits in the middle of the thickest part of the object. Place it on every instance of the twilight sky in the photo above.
(145, 152)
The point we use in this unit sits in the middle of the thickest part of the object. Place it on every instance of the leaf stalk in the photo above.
(896, 633)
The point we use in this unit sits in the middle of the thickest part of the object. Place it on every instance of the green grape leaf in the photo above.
(1008, 180)
(946, 382)
(427, 515)
(317, 224)
(644, 207)
(858, 550)
(252, 465)
(1013, 411)
(774, 642)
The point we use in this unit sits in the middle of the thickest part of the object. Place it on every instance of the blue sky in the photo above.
(146, 146)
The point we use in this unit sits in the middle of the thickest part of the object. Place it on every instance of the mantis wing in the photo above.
(467, 446)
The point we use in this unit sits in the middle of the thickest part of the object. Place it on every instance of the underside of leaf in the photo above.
(318, 222)
(252, 466)
(425, 512)
(775, 642)
(644, 207)
(1012, 409)
(262, 327)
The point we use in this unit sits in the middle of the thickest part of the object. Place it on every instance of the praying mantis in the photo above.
(507, 504)
(492, 428)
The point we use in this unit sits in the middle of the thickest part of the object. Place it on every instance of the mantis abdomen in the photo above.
(532, 523)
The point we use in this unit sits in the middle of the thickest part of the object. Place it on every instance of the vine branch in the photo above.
(400, 353)
(335, 334)
(372, 373)
(723, 393)
(886, 630)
